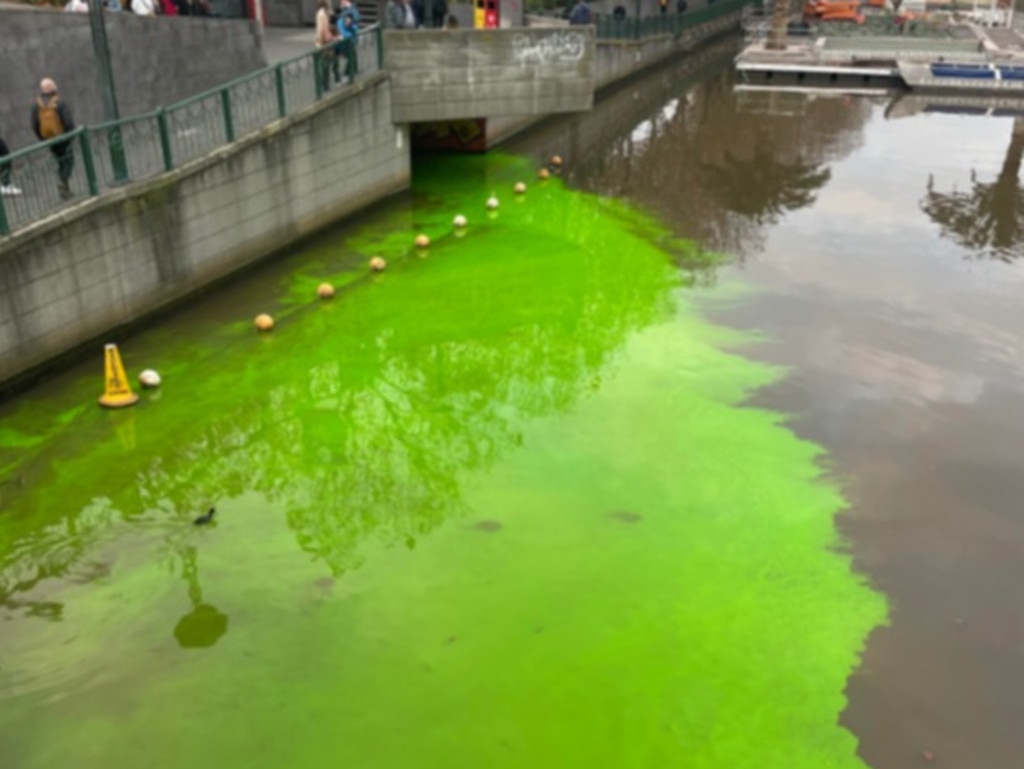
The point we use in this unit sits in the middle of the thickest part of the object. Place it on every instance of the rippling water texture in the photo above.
(500, 506)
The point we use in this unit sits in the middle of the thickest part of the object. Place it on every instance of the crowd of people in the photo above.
(145, 7)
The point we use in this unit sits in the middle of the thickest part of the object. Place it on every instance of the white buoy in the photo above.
(149, 378)
(459, 221)
(492, 203)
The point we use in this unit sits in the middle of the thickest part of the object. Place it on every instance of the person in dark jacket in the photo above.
(51, 117)
(439, 11)
(348, 31)
(581, 14)
(417, 12)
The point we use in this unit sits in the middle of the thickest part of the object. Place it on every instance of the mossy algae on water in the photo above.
(547, 372)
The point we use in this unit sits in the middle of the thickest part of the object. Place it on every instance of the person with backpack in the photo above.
(325, 41)
(51, 117)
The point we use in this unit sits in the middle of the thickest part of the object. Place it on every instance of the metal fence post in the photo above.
(320, 73)
(5, 228)
(90, 168)
(379, 34)
(165, 138)
(229, 124)
(282, 104)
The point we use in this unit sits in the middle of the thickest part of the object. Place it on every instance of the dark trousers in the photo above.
(5, 168)
(348, 49)
(64, 152)
(327, 64)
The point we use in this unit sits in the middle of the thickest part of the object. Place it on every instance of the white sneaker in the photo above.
(9, 189)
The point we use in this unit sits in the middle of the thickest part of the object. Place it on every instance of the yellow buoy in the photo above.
(520, 188)
(116, 392)
(325, 291)
(556, 160)
(377, 264)
(263, 322)
(543, 174)
(422, 241)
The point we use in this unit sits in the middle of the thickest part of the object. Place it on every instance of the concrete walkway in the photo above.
(283, 43)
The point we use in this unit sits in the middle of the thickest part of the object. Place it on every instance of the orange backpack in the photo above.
(50, 124)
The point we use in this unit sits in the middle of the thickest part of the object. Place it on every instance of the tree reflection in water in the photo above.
(365, 417)
(988, 218)
(720, 164)
(204, 625)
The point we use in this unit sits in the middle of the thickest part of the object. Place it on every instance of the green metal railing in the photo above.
(96, 158)
(672, 23)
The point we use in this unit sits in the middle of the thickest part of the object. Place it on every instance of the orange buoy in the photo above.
(520, 188)
(422, 241)
(556, 160)
(325, 291)
(543, 174)
(377, 264)
(263, 322)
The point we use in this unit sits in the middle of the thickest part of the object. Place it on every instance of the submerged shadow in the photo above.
(205, 624)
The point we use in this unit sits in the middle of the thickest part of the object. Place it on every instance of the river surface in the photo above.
(705, 453)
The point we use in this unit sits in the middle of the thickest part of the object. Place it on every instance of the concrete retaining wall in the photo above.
(155, 60)
(465, 73)
(113, 260)
(616, 60)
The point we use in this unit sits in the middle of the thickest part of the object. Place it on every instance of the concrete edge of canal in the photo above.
(119, 258)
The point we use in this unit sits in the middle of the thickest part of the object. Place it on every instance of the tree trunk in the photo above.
(1010, 172)
(780, 20)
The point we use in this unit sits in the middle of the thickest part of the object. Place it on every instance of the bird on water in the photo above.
(206, 518)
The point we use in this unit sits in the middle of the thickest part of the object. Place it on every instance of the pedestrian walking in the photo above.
(581, 14)
(6, 188)
(348, 30)
(394, 15)
(51, 117)
(439, 11)
(325, 40)
(144, 7)
(400, 14)
(415, 9)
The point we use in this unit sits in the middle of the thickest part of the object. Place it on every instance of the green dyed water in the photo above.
(499, 506)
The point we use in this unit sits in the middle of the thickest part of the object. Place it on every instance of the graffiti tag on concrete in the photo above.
(550, 49)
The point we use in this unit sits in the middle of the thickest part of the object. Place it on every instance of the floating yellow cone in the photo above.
(117, 394)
